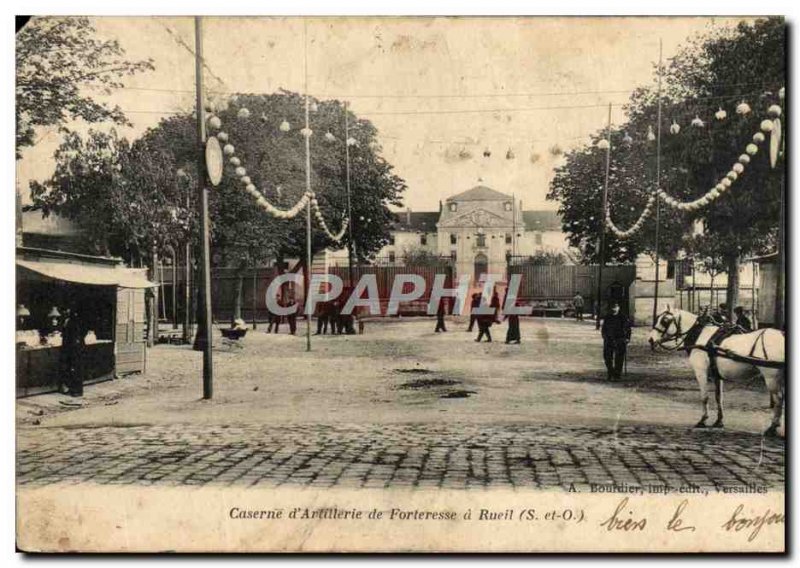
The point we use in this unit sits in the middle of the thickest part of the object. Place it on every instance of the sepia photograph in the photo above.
(379, 284)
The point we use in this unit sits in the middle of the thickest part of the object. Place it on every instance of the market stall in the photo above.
(104, 297)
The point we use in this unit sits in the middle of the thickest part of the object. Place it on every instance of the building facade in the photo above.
(477, 229)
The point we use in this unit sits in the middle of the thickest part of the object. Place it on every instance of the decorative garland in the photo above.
(768, 126)
(230, 151)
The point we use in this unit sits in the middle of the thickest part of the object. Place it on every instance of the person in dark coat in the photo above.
(335, 317)
(616, 332)
(512, 334)
(473, 317)
(72, 352)
(292, 317)
(485, 321)
(742, 320)
(273, 319)
(440, 313)
(323, 316)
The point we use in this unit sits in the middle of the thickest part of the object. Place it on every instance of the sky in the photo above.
(441, 91)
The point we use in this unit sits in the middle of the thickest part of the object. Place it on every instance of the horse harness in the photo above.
(688, 341)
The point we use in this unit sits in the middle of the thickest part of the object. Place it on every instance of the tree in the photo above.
(717, 69)
(59, 63)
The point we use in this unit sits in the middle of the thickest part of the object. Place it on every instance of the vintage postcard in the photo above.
(400, 284)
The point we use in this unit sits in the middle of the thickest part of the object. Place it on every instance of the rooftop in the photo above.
(480, 193)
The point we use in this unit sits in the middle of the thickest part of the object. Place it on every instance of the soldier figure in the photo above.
(616, 332)
(485, 321)
(323, 313)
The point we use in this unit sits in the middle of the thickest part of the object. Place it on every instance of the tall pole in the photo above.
(781, 261)
(205, 252)
(602, 260)
(352, 244)
(308, 189)
(658, 181)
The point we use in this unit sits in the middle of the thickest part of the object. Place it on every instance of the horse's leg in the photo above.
(700, 366)
(718, 396)
(774, 380)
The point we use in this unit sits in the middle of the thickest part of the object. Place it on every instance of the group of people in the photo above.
(329, 313)
(329, 318)
(483, 320)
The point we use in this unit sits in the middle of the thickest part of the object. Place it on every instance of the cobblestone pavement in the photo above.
(410, 455)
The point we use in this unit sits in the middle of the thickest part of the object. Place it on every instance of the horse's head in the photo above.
(666, 328)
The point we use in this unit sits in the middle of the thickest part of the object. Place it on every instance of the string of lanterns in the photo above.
(229, 150)
(771, 126)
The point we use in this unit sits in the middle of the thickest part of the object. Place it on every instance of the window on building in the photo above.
(423, 239)
(453, 238)
(391, 258)
(480, 240)
(537, 238)
(507, 206)
(509, 237)
(391, 239)
(454, 207)
(670, 269)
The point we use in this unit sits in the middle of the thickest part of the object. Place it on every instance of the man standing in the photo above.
(322, 318)
(440, 313)
(577, 303)
(473, 317)
(616, 332)
(72, 353)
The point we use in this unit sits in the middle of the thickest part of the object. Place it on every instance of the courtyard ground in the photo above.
(402, 405)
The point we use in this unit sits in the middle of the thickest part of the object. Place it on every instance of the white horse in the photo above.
(737, 357)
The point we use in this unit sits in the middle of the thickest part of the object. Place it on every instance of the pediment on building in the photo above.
(477, 218)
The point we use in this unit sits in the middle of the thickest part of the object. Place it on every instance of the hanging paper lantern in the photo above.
(306, 132)
(725, 182)
(285, 126)
(697, 122)
(240, 171)
(720, 187)
(732, 175)
(738, 168)
(330, 137)
(245, 180)
(744, 159)
(209, 107)
(352, 141)
(751, 149)
(243, 113)
(603, 144)
(766, 125)
(222, 136)
(251, 188)
(313, 107)
(650, 135)
(721, 114)
(774, 111)
(228, 149)
(627, 140)
(759, 137)
(214, 122)
(714, 193)
(743, 108)
(782, 93)
(675, 128)
(235, 161)
(181, 173)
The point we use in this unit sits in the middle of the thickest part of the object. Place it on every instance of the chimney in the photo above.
(408, 215)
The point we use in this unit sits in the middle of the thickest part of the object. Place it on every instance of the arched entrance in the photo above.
(481, 266)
